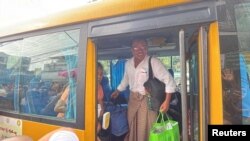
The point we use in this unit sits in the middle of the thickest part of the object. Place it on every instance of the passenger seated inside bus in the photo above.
(65, 106)
(40, 96)
(54, 95)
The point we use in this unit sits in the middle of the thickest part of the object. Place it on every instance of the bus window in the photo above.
(38, 73)
(174, 63)
(235, 48)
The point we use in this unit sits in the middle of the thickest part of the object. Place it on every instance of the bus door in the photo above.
(193, 52)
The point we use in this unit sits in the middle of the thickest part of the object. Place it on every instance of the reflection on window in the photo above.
(38, 75)
(235, 52)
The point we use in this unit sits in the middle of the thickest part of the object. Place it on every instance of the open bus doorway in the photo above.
(114, 51)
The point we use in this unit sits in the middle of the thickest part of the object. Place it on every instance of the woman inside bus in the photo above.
(68, 96)
(54, 95)
(100, 96)
(61, 104)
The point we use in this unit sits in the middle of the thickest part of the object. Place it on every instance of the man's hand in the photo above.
(164, 107)
(115, 94)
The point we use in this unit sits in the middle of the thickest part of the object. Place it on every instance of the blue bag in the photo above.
(118, 116)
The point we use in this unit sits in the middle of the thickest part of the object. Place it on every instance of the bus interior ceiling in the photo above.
(162, 42)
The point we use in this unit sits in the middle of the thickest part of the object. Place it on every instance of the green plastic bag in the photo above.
(165, 130)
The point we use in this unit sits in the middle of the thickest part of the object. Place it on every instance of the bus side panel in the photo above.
(215, 84)
(36, 130)
(90, 96)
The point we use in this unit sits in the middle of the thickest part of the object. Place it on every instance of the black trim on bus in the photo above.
(81, 78)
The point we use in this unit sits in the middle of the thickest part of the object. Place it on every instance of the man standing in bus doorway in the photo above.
(140, 118)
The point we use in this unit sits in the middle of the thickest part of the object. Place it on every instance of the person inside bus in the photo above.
(54, 95)
(61, 105)
(100, 97)
(231, 96)
(67, 102)
(140, 118)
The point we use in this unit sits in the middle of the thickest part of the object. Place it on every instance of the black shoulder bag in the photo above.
(156, 90)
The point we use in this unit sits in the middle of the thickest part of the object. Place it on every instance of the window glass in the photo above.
(234, 27)
(176, 66)
(38, 75)
(173, 62)
(166, 61)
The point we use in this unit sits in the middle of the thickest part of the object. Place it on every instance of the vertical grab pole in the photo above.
(204, 80)
(183, 86)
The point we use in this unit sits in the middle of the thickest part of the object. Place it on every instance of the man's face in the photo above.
(139, 49)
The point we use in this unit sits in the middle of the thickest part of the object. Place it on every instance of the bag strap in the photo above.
(150, 71)
(162, 117)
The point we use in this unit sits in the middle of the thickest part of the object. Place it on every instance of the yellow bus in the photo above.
(204, 42)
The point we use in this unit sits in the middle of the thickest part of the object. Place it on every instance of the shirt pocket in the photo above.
(142, 76)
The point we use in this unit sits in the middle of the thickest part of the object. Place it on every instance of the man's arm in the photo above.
(165, 105)
(163, 75)
(123, 85)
